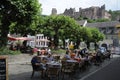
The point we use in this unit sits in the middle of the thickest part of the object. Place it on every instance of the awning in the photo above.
(18, 38)
(11, 38)
(23, 38)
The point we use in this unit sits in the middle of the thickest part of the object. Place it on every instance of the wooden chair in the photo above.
(67, 69)
(57, 58)
(36, 69)
(53, 72)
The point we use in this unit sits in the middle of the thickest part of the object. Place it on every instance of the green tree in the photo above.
(69, 30)
(59, 27)
(86, 35)
(96, 36)
(115, 15)
(21, 13)
(76, 35)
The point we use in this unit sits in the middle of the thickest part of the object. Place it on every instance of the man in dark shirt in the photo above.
(36, 61)
(38, 65)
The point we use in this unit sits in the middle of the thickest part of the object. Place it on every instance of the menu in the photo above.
(3, 68)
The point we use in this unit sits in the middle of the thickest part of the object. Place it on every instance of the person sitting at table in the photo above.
(43, 51)
(67, 56)
(77, 57)
(49, 58)
(36, 61)
(81, 52)
(38, 64)
(72, 54)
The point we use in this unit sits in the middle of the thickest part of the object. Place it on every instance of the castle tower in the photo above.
(103, 7)
(69, 12)
(102, 10)
(54, 11)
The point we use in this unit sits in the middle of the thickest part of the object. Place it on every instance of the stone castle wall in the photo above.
(90, 13)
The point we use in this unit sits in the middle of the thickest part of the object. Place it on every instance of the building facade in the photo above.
(38, 41)
(110, 29)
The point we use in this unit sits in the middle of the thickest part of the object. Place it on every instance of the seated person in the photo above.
(66, 56)
(72, 55)
(38, 65)
(50, 58)
(34, 50)
(43, 51)
(77, 57)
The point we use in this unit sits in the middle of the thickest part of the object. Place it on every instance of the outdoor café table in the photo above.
(56, 55)
(77, 64)
(72, 61)
(53, 64)
(53, 69)
(42, 57)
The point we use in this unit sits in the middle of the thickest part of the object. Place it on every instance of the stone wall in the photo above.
(90, 13)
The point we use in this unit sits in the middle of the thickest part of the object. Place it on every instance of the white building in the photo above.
(38, 41)
(32, 41)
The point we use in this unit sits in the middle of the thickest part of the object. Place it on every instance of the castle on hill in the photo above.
(90, 13)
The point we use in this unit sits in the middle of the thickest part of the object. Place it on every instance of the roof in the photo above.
(103, 24)
(82, 22)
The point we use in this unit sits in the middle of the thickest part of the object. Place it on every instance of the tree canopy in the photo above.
(18, 13)
(96, 36)
(115, 15)
(59, 27)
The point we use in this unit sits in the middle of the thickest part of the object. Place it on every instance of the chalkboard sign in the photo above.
(3, 68)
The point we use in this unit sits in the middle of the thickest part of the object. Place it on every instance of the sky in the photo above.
(61, 5)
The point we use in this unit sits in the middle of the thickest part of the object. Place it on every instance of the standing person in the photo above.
(38, 52)
(49, 51)
(98, 56)
(81, 53)
(11, 46)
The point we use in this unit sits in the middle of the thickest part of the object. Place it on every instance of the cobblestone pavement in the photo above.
(19, 68)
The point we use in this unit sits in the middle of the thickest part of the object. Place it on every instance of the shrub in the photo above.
(59, 51)
(6, 51)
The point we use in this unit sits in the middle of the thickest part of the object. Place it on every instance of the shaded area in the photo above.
(109, 72)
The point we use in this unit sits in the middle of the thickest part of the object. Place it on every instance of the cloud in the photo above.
(61, 5)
